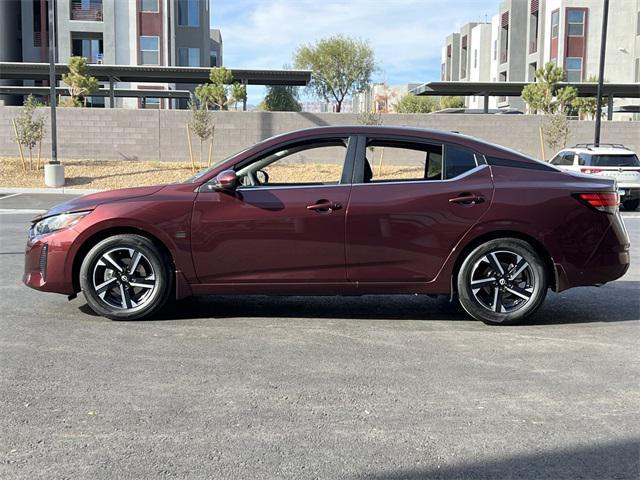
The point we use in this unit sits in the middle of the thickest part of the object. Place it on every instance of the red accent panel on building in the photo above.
(150, 24)
(576, 46)
(554, 41)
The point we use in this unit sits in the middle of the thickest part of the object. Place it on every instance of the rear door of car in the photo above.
(412, 201)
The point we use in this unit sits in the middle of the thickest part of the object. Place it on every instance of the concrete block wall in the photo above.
(122, 134)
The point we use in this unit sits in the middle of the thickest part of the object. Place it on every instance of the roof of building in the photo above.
(154, 74)
(514, 89)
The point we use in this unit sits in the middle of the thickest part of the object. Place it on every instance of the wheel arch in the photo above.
(100, 235)
(540, 249)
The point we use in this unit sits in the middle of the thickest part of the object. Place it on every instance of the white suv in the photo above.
(608, 160)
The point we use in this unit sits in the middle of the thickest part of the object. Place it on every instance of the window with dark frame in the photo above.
(150, 50)
(189, 13)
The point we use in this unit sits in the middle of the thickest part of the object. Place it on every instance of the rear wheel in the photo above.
(125, 277)
(502, 281)
(631, 205)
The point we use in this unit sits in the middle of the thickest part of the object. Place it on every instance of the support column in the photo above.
(112, 96)
(486, 103)
(244, 102)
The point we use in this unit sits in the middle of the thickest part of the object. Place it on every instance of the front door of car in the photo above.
(285, 223)
(412, 201)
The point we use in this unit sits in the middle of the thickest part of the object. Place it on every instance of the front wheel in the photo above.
(502, 281)
(125, 277)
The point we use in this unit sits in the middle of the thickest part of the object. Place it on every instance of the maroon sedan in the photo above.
(340, 211)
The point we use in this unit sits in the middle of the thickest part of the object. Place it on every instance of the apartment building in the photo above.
(526, 34)
(380, 98)
(121, 32)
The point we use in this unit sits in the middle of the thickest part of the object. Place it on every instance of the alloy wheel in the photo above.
(124, 279)
(502, 281)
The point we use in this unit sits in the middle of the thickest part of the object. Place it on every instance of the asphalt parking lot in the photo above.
(354, 387)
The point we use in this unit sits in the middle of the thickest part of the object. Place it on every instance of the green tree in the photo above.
(451, 102)
(29, 129)
(586, 106)
(79, 82)
(340, 66)
(416, 104)
(222, 91)
(281, 98)
(544, 95)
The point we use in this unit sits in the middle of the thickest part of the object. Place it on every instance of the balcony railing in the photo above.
(86, 10)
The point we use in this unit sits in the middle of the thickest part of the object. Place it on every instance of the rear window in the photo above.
(630, 160)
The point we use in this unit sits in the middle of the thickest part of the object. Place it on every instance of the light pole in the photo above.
(603, 46)
(53, 171)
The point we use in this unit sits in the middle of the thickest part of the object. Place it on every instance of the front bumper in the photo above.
(46, 266)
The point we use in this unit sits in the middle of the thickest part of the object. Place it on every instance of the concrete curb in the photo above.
(62, 190)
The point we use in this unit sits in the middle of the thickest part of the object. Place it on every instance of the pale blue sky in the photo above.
(406, 35)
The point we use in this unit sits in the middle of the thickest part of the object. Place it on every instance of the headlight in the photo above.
(57, 222)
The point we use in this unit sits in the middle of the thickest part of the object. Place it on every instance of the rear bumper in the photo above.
(609, 260)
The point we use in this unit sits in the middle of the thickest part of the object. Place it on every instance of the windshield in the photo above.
(615, 160)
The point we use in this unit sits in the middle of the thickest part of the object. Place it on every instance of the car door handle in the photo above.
(324, 206)
(467, 199)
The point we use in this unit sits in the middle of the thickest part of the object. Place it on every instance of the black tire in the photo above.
(631, 205)
(495, 297)
(126, 295)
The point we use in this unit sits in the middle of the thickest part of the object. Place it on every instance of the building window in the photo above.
(637, 72)
(475, 58)
(504, 38)
(555, 23)
(189, 13)
(638, 24)
(576, 23)
(574, 69)
(90, 48)
(463, 58)
(213, 59)
(150, 103)
(532, 71)
(149, 6)
(150, 50)
(188, 57)
(86, 10)
(495, 49)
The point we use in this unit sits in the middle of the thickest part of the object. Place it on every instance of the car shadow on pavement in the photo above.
(617, 302)
(615, 460)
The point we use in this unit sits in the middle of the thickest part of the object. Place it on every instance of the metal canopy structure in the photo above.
(146, 74)
(151, 74)
(514, 89)
(102, 92)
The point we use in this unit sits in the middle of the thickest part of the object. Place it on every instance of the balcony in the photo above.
(86, 10)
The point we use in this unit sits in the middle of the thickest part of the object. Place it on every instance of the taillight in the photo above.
(591, 170)
(602, 201)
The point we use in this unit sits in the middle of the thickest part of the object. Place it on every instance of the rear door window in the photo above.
(389, 160)
(563, 159)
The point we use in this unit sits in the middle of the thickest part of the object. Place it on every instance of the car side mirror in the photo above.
(227, 181)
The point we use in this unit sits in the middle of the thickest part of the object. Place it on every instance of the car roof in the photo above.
(606, 150)
(481, 146)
